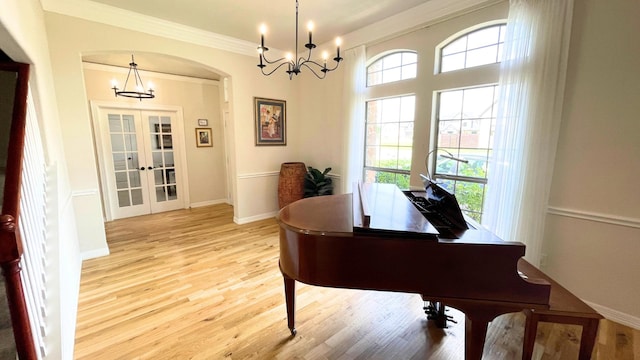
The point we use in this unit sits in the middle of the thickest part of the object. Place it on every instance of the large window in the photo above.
(462, 118)
(465, 128)
(389, 140)
(465, 120)
(389, 121)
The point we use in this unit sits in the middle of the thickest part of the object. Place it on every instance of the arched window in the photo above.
(465, 116)
(396, 66)
(480, 47)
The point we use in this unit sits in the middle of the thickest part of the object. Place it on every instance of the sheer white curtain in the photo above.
(532, 77)
(353, 114)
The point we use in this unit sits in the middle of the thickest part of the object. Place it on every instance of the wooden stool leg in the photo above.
(588, 338)
(530, 330)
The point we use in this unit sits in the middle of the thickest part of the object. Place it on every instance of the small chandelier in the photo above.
(294, 65)
(139, 92)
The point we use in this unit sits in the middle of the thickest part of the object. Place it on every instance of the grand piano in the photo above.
(380, 238)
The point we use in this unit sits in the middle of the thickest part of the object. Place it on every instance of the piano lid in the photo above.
(383, 208)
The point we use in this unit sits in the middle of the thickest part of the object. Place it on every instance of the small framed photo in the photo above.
(270, 121)
(203, 122)
(203, 137)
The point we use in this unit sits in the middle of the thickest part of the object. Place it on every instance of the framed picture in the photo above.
(203, 137)
(271, 121)
(203, 122)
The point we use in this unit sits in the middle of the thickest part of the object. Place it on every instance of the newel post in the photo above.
(10, 252)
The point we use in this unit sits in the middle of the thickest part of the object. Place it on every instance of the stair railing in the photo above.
(11, 248)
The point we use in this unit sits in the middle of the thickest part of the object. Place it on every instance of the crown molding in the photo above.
(109, 15)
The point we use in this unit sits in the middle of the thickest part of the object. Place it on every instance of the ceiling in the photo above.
(241, 19)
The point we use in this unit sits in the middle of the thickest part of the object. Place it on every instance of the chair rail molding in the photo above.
(594, 216)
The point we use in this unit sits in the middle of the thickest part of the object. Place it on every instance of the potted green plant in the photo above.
(317, 183)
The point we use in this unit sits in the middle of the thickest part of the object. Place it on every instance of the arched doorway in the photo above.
(198, 93)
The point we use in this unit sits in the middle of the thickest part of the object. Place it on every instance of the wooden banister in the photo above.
(10, 242)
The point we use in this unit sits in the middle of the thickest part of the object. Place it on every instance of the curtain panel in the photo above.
(532, 78)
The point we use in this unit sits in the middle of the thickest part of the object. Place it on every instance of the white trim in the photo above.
(616, 316)
(208, 203)
(94, 254)
(379, 56)
(155, 74)
(135, 106)
(275, 173)
(88, 192)
(113, 16)
(438, 53)
(597, 217)
(249, 219)
(258, 175)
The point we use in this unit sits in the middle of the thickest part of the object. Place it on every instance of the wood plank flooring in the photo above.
(191, 284)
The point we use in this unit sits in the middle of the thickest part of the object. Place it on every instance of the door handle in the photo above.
(142, 168)
(150, 168)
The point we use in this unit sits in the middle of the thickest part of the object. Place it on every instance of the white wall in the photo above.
(592, 238)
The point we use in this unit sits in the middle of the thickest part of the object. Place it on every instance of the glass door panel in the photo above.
(138, 155)
(124, 152)
(164, 179)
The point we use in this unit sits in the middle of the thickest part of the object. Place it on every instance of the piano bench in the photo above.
(564, 308)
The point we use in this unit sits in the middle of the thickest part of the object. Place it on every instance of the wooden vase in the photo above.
(291, 183)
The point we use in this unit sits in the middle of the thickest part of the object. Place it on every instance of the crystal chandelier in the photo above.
(139, 91)
(294, 64)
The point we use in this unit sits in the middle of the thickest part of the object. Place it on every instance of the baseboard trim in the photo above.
(208, 203)
(86, 255)
(617, 316)
(249, 219)
(87, 192)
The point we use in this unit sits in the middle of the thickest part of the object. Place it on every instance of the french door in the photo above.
(141, 167)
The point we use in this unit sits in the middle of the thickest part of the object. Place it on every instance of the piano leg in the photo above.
(475, 333)
(290, 298)
(478, 314)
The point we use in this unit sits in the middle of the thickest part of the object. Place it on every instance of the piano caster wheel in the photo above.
(293, 331)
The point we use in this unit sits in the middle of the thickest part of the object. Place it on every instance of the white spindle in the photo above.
(33, 229)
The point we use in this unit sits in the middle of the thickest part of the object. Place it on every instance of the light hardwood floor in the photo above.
(191, 284)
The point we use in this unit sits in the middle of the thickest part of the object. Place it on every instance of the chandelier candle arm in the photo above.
(139, 92)
(295, 63)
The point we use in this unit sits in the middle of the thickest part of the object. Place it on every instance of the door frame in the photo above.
(97, 107)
